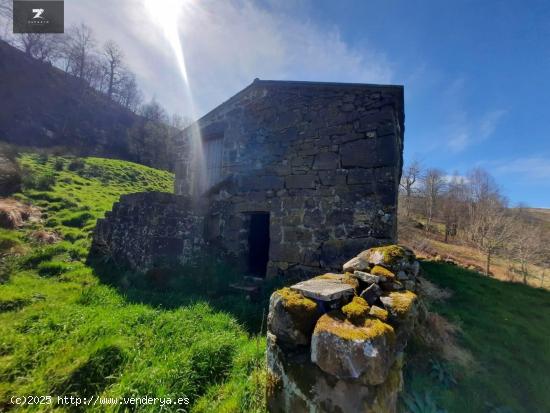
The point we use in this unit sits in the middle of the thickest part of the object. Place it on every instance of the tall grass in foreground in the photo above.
(64, 332)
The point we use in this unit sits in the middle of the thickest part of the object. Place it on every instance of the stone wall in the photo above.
(323, 159)
(336, 342)
(147, 228)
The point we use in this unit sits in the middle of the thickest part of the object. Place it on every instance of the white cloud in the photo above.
(464, 130)
(226, 45)
(531, 167)
(489, 123)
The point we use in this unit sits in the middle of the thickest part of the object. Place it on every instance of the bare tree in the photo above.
(526, 246)
(113, 56)
(453, 205)
(411, 175)
(78, 50)
(41, 46)
(128, 93)
(492, 228)
(433, 183)
(5, 16)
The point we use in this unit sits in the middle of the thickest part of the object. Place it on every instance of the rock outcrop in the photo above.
(336, 341)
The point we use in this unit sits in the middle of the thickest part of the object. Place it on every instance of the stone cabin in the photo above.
(290, 178)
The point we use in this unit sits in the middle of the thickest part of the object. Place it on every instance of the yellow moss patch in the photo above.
(296, 303)
(382, 272)
(371, 327)
(356, 310)
(329, 276)
(392, 253)
(379, 313)
(402, 302)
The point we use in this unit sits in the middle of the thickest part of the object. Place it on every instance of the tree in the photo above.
(433, 183)
(41, 46)
(492, 228)
(78, 49)
(128, 93)
(453, 205)
(113, 56)
(410, 176)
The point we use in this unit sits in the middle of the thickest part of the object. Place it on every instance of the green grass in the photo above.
(64, 332)
(506, 328)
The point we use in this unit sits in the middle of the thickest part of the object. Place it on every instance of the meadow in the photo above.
(64, 332)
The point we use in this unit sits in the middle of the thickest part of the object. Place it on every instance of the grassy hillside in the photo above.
(63, 332)
(505, 330)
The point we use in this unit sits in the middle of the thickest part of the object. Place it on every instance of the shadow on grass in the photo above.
(171, 285)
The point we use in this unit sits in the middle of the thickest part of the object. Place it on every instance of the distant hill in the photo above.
(44, 107)
(540, 214)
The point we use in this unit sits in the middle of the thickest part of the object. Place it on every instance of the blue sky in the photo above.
(476, 73)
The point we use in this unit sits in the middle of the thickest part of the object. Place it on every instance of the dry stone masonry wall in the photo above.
(149, 228)
(336, 341)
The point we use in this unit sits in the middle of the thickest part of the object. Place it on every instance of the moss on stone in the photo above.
(293, 301)
(369, 329)
(356, 310)
(382, 272)
(302, 310)
(402, 301)
(379, 313)
(329, 276)
(392, 253)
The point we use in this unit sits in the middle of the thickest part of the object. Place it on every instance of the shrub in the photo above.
(43, 158)
(43, 182)
(59, 164)
(77, 164)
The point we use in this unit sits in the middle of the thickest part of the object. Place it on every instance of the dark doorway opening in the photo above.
(258, 243)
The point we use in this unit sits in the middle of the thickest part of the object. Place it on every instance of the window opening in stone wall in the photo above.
(213, 152)
(258, 243)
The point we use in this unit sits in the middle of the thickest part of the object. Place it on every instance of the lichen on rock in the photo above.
(356, 310)
(292, 317)
(400, 303)
(296, 303)
(390, 256)
(335, 323)
(379, 313)
(382, 272)
(347, 350)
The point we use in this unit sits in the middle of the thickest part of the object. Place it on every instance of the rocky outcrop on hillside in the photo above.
(336, 341)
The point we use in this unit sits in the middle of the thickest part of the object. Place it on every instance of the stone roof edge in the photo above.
(281, 83)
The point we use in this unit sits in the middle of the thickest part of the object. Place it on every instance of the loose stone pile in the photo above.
(336, 341)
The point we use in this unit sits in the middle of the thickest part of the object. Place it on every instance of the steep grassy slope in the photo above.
(506, 329)
(45, 107)
(63, 332)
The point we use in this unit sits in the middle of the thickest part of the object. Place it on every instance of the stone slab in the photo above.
(323, 290)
